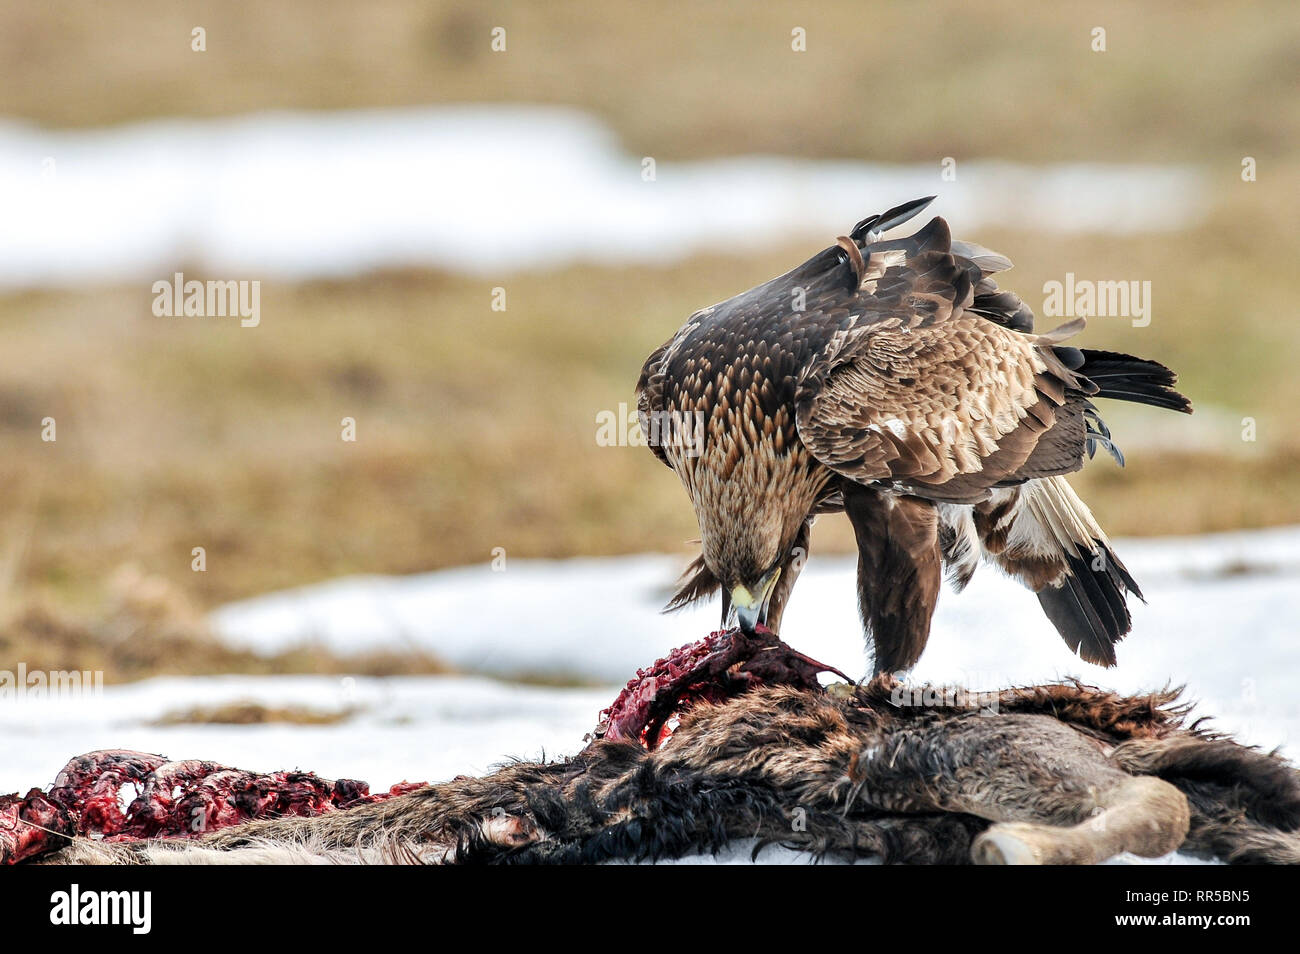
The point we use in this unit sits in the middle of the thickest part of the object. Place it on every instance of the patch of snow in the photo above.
(482, 189)
(1222, 617)
(418, 728)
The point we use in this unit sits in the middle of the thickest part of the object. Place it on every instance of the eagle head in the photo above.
(745, 550)
(751, 602)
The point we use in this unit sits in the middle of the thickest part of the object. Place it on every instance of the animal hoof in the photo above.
(1000, 846)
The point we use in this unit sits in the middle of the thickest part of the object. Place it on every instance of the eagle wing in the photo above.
(926, 383)
(649, 396)
(900, 366)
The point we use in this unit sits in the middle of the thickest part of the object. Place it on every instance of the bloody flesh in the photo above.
(723, 664)
(193, 797)
(167, 799)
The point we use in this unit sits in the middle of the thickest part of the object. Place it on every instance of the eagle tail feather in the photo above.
(1088, 608)
(1122, 377)
(1042, 534)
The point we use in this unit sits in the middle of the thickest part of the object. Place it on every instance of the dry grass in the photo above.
(476, 429)
(148, 628)
(250, 712)
(899, 80)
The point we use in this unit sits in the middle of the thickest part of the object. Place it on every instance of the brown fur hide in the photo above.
(1054, 773)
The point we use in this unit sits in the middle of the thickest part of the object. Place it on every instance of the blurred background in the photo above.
(470, 223)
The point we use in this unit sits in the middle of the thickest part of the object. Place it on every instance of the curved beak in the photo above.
(751, 604)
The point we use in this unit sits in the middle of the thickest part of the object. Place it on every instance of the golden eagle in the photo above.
(894, 380)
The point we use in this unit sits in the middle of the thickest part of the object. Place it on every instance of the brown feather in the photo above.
(883, 377)
(898, 572)
(697, 582)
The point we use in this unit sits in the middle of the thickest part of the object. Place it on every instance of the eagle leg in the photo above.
(898, 571)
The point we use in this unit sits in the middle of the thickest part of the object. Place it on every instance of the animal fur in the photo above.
(1054, 773)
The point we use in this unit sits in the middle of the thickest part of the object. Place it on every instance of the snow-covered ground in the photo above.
(483, 189)
(1223, 617)
(404, 729)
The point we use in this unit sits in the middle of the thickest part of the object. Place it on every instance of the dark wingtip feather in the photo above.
(893, 218)
(1089, 609)
(1122, 377)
